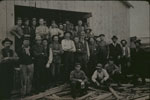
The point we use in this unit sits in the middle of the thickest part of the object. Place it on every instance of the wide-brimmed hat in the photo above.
(101, 35)
(38, 37)
(76, 64)
(124, 41)
(7, 40)
(26, 37)
(138, 41)
(114, 37)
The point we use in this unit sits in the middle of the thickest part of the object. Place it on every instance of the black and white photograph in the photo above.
(74, 50)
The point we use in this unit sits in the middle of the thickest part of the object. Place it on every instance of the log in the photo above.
(98, 90)
(102, 96)
(63, 93)
(114, 93)
(144, 97)
(43, 94)
(61, 98)
(85, 96)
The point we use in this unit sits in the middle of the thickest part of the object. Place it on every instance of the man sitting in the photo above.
(78, 81)
(113, 70)
(100, 77)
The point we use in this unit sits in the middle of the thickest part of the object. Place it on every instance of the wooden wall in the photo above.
(108, 17)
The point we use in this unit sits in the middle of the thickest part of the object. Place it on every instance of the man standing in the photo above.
(100, 76)
(17, 32)
(7, 63)
(125, 57)
(78, 81)
(115, 50)
(102, 50)
(42, 30)
(26, 67)
(68, 47)
(33, 27)
(79, 28)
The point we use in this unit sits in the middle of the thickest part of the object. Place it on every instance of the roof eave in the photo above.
(128, 4)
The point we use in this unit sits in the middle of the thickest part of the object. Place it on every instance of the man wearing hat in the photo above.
(25, 54)
(100, 76)
(78, 81)
(138, 63)
(113, 70)
(7, 63)
(17, 32)
(115, 50)
(102, 49)
(88, 32)
(125, 57)
(39, 63)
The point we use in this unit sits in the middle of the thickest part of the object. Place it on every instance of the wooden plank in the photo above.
(48, 92)
(143, 98)
(102, 96)
(63, 93)
(114, 93)
(61, 98)
(85, 96)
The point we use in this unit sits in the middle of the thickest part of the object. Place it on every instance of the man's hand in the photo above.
(97, 83)
(47, 65)
(79, 80)
(102, 81)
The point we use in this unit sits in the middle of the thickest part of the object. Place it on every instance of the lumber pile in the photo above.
(114, 92)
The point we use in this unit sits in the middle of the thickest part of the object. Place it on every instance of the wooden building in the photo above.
(104, 17)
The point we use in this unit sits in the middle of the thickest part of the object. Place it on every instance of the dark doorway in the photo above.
(50, 14)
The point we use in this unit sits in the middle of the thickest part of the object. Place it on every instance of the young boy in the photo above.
(78, 81)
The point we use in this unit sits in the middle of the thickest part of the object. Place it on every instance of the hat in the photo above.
(68, 32)
(101, 35)
(7, 40)
(124, 41)
(99, 66)
(38, 37)
(114, 37)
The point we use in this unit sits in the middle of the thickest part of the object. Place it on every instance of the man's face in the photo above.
(111, 62)
(56, 38)
(123, 43)
(7, 44)
(45, 43)
(34, 23)
(26, 42)
(60, 26)
(41, 21)
(77, 68)
(38, 41)
(67, 22)
(91, 40)
(114, 40)
(27, 22)
(79, 22)
(19, 22)
(67, 35)
(76, 39)
(102, 38)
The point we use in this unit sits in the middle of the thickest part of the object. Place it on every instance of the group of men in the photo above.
(48, 56)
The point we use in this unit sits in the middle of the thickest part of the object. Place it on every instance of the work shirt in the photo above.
(56, 31)
(100, 75)
(125, 51)
(75, 75)
(42, 31)
(68, 45)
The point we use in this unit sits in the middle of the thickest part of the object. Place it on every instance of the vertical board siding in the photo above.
(108, 17)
